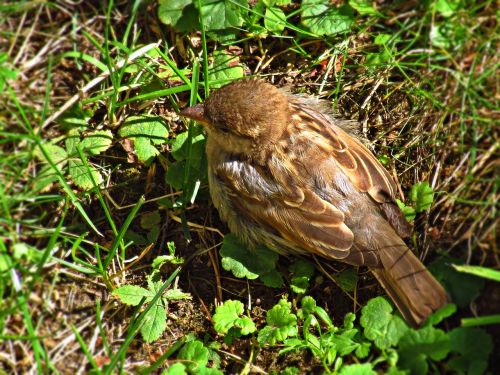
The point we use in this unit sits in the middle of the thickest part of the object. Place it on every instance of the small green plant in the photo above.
(155, 320)
(383, 337)
(229, 320)
(144, 131)
(244, 263)
(194, 357)
(80, 144)
(421, 197)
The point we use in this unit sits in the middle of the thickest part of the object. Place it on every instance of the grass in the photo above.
(84, 210)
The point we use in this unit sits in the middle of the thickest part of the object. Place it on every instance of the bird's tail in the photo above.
(415, 292)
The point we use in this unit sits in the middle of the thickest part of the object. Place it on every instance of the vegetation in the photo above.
(110, 251)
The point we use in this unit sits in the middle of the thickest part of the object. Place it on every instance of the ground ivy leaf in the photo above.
(180, 147)
(416, 346)
(363, 349)
(422, 196)
(281, 324)
(302, 271)
(150, 219)
(176, 369)
(84, 176)
(447, 8)
(272, 279)
(324, 19)
(145, 131)
(175, 174)
(380, 325)
(348, 279)
(382, 39)
(196, 353)
(96, 142)
(462, 287)
(225, 68)
(181, 14)
(176, 295)
(243, 262)
(132, 294)
(222, 14)
(441, 314)
(364, 7)
(274, 20)
(226, 315)
(155, 323)
(56, 153)
(473, 346)
(357, 369)
(247, 325)
(408, 211)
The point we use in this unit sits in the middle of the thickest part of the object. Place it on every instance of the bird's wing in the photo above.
(299, 215)
(361, 167)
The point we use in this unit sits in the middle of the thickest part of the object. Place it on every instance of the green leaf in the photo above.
(448, 35)
(155, 323)
(181, 14)
(274, 20)
(441, 314)
(382, 39)
(176, 369)
(308, 304)
(175, 174)
(408, 211)
(195, 353)
(281, 324)
(46, 174)
(416, 347)
(57, 154)
(226, 315)
(7, 71)
(96, 142)
(290, 371)
(150, 219)
(175, 294)
(447, 8)
(225, 68)
(180, 147)
(324, 19)
(363, 350)
(146, 131)
(422, 196)
(221, 14)
(484, 272)
(462, 287)
(132, 294)
(245, 263)
(380, 325)
(473, 347)
(364, 7)
(302, 271)
(348, 279)
(272, 279)
(84, 176)
(357, 369)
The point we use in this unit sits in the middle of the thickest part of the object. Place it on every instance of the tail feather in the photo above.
(415, 292)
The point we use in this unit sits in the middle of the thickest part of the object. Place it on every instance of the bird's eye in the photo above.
(223, 129)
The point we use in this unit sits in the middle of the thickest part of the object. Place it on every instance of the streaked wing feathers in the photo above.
(358, 163)
(299, 215)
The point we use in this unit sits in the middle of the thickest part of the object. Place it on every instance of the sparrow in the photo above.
(285, 173)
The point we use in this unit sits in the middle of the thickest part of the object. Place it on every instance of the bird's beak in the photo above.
(196, 113)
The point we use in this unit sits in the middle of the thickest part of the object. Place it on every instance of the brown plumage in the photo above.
(284, 173)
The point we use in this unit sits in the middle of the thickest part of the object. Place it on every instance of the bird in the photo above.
(286, 173)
